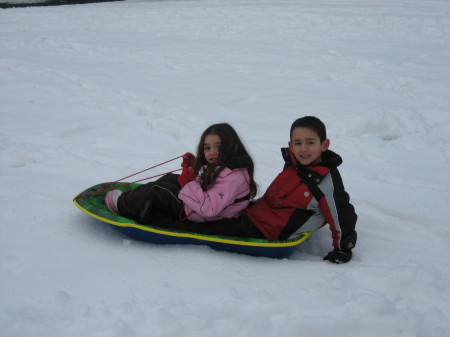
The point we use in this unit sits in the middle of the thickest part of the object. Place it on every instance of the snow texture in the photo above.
(91, 93)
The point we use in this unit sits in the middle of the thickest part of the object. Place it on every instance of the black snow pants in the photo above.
(160, 196)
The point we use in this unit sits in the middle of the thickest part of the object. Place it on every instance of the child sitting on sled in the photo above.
(217, 183)
(306, 195)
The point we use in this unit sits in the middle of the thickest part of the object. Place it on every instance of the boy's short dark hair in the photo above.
(312, 123)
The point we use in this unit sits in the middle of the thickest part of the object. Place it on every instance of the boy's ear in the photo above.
(292, 155)
(325, 145)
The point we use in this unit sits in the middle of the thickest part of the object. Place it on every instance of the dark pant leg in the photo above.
(234, 227)
(132, 204)
(163, 199)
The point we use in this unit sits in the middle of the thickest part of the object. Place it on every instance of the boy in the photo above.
(306, 195)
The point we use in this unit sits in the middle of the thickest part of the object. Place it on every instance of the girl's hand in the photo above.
(187, 175)
(188, 159)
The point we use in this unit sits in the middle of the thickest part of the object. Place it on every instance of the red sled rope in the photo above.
(105, 188)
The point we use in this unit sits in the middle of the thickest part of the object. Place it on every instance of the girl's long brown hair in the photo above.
(232, 154)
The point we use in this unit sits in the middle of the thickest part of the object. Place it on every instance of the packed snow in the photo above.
(92, 93)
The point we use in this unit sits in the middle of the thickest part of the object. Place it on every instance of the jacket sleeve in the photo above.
(229, 185)
(339, 213)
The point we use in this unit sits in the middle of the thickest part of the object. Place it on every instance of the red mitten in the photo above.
(187, 175)
(188, 159)
(292, 155)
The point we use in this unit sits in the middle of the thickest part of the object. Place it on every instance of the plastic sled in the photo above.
(92, 203)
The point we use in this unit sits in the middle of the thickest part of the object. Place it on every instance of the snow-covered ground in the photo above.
(92, 93)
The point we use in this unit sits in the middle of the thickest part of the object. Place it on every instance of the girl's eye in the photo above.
(208, 148)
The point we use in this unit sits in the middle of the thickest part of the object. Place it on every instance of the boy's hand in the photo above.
(339, 256)
(188, 159)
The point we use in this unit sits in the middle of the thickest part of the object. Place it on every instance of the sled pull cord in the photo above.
(132, 175)
(105, 188)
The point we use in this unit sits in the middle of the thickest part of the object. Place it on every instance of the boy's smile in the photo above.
(306, 146)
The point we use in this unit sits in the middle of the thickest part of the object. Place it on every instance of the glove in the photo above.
(188, 159)
(292, 155)
(187, 175)
(339, 256)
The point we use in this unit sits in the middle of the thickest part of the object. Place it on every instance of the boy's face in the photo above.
(306, 146)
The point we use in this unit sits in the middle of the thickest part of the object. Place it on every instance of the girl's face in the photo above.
(211, 147)
(306, 146)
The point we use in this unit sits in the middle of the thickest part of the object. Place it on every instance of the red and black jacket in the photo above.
(305, 198)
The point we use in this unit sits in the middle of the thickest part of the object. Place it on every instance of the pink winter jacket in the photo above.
(219, 201)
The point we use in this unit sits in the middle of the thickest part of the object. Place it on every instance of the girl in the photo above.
(216, 184)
